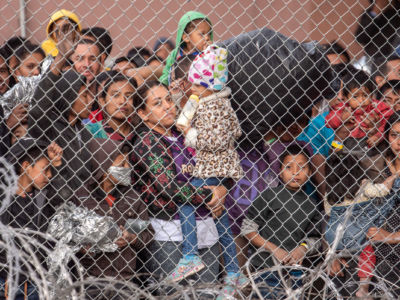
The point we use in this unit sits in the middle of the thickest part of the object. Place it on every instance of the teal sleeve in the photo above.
(96, 129)
(318, 135)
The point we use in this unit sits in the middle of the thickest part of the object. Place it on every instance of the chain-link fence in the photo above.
(200, 150)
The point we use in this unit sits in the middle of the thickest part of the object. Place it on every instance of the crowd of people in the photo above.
(108, 139)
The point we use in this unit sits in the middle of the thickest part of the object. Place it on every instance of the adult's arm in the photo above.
(145, 73)
(155, 161)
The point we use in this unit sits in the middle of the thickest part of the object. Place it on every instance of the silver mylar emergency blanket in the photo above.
(23, 91)
(76, 228)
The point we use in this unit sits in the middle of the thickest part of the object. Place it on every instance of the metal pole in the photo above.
(22, 24)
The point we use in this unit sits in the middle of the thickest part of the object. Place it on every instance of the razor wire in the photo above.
(106, 221)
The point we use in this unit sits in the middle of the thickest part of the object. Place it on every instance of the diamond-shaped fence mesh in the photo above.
(200, 149)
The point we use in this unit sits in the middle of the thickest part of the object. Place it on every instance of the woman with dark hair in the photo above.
(386, 239)
(162, 172)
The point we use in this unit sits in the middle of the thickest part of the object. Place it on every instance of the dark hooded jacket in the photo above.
(380, 34)
(5, 136)
(126, 205)
(48, 121)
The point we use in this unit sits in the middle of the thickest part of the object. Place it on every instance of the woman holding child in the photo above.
(162, 166)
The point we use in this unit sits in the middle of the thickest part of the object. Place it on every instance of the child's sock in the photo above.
(232, 274)
(190, 256)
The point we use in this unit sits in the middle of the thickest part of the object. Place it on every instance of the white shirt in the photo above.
(207, 234)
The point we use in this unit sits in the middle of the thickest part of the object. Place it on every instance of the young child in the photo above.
(193, 36)
(116, 104)
(32, 161)
(366, 116)
(214, 130)
(390, 94)
(180, 86)
(18, 132)
(284, 220)
(347, 190)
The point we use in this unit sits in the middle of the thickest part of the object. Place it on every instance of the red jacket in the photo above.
(334, 118)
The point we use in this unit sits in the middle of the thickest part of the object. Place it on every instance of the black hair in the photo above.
(390, 85)
(343, 176)
(122, 59)
(153, 58)
(193, 24)
(27, 49)
(4, 56)
(393, 119)
(293, 150)
(32, 155)
(335, 48)
(287, 118)
(344, 70)
(138, 55)
(102, 36)
(182, 65)
(84, 41)
(139, 99)
(104, 76)
(379, 65)
(163, 41)
(358, 80)
(118, 78)
(13, 44)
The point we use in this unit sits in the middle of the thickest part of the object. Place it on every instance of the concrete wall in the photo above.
(136, 23)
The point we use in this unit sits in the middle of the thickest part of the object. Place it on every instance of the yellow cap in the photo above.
(50, 47)
(63, 13)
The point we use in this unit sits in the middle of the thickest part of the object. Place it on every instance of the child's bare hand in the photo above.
(183, 129)
(126, 238)
(281, 255)
(55, 154)
(346, 115)
(336, 267)
(297, 255)
(18, 115)
(217, 203)
(373, 141)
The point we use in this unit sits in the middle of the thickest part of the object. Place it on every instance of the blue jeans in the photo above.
(371, 213)
(31, 291)
(274, 288)
(188, 225)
